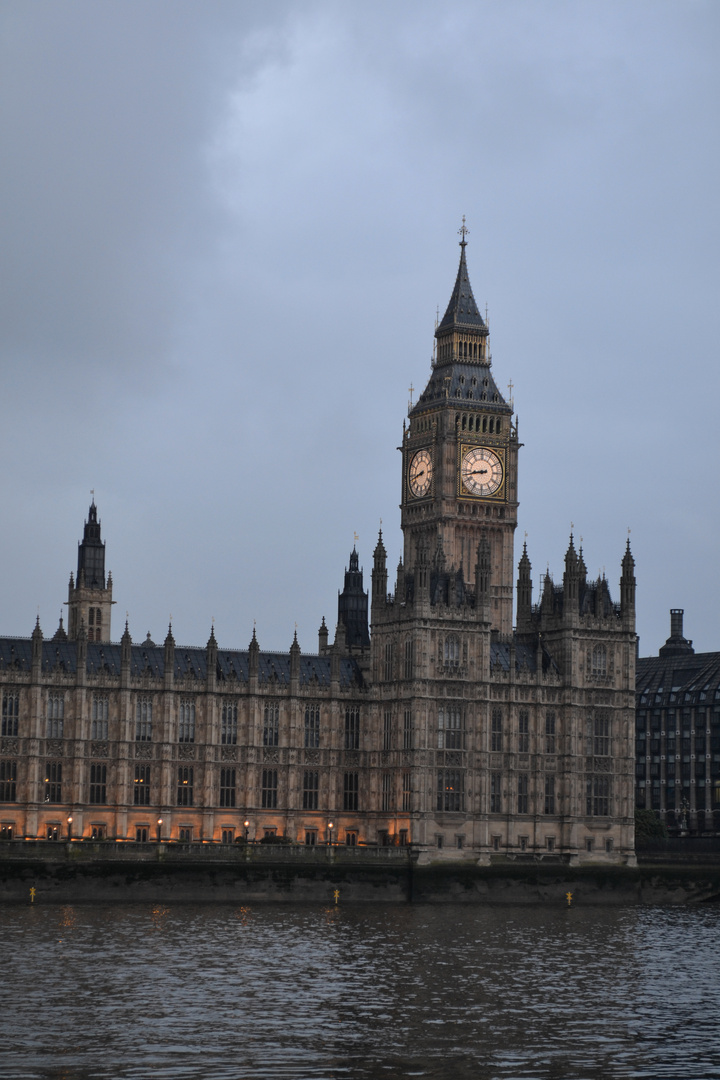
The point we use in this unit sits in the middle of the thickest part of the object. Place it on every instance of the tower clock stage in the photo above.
(460, 451)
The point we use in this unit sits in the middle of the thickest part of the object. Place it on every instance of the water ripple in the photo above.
(235, 993)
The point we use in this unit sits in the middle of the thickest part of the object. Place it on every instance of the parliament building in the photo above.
(432, 718)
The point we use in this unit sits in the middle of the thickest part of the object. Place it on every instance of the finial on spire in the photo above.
(463, 231)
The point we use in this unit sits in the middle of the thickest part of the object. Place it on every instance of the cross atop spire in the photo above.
(463, 231)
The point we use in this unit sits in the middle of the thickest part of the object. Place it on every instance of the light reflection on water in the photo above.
(222, 992)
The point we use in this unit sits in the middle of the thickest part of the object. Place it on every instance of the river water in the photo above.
(228, 993)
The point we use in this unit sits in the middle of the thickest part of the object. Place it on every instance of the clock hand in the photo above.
(475, 472)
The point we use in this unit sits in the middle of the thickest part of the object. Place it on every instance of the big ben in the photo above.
(460, 451)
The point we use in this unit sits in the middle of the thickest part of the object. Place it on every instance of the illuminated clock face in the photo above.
(481, 471)
(420, 473)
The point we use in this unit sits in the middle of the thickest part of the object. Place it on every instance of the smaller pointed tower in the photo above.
(90, 599)
(353, 606)
(571, 584)
(211, 659)
(37, 650)
(524, 593)
(627, 590)
(379, 574)
(169, 658)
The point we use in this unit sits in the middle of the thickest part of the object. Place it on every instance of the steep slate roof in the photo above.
(462, 311)
(231, 664)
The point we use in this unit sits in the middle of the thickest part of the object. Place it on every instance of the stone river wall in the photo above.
(89, 872)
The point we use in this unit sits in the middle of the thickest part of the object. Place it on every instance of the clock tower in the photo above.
(460, 451)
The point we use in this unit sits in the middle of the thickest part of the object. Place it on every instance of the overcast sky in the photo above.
(226, 228)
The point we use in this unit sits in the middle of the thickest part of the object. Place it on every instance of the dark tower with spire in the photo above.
(90, 595)
(460, 455)
(353, 606)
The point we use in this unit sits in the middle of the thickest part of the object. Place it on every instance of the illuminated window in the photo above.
(53, 781)
(141, 787)
(185, 786)
(450, 794)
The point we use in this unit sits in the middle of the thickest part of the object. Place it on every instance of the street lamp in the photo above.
(159, 834)
(247, 830)
(69, 828)
(330, 829)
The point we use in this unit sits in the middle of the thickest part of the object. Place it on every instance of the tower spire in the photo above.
(462, 311)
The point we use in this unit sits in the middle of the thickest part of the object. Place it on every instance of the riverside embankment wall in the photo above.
(85, 873)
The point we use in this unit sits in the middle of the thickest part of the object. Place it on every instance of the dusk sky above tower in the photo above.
(227, 230)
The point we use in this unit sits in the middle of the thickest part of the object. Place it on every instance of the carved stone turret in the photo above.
(211, 659)
(379, 573)
(37, 644)
(524, 593)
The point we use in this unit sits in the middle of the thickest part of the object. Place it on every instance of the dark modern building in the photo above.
(678, 734)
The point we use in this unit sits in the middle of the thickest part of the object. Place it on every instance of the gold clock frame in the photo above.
(501, 453)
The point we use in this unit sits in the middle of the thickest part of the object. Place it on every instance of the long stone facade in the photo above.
(429, 720)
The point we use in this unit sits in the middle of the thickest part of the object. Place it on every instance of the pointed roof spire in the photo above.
(462, 311)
